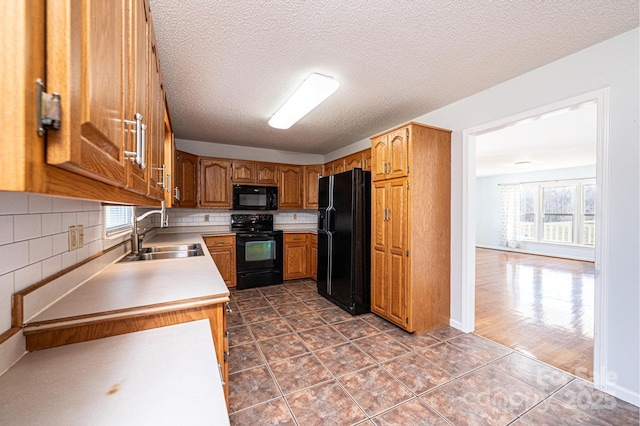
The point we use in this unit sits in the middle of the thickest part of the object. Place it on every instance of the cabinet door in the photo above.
(338, 166)
(396, 254)
(295, 262)
(388, 256)
(223, 252)
(397, 153)
(313, 258)
(244, 172)
(311, 176)
(379, 158)
(86, 63)
(215, 183)
(137, 177)
(155, 126)
(291, 191)
(187, 179)
(353, 161)
(379, 279)
(367, 160)
(267, 173)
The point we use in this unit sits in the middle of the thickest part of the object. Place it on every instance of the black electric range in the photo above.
(259, 250)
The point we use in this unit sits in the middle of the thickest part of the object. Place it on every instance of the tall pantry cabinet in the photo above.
(411, 220)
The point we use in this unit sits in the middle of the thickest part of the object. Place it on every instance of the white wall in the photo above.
(613, 64)
(488, 211)
(247, 153)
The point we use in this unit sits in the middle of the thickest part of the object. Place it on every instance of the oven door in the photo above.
(258, 259)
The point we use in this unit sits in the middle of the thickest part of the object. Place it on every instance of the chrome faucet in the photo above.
(136, 237)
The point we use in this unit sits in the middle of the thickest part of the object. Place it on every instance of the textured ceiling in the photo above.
(229, 65)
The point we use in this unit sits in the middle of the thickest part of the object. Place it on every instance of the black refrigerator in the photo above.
(344, 240)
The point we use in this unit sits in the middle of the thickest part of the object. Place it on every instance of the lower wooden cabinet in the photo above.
(313, 257)
(223, 252)
(296, 254)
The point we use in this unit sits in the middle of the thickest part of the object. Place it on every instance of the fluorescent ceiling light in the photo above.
(315, 89)
(522, 164)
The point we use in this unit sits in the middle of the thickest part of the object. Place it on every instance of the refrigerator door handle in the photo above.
(321, 220)
(330, 220)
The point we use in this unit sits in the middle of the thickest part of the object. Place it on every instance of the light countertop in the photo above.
(163, 376)
(129, 285)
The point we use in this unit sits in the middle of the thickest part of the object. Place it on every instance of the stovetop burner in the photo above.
(252, 223)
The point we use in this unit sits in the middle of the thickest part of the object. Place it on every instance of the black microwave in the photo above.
(252, 197)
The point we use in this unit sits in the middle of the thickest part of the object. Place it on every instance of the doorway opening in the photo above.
(539, 236)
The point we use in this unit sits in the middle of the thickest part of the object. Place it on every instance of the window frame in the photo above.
(578, 233)
(123, 228)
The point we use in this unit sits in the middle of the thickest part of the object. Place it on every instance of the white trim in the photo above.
(622, 393)
(600, 362)
(600, 359)
(455, 324)
(468, 290)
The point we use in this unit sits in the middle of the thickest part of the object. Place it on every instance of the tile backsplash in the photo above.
(34, 242)
(210, 217)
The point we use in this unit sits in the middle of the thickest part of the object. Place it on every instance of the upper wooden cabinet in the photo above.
(389, 154)
(97, 58)
(255, 172)
(87, 63)
(187, 179)
(291, 187)
(215, 179)
(411, 222)
(366, 160)
(244, 171)
(155, 127)
(311, 176)
(353, 161)
(267, 173)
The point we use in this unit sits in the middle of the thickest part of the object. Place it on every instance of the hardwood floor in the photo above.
(540, 306)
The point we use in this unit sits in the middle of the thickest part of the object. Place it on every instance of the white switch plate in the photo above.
(80, 236)
(73, 241)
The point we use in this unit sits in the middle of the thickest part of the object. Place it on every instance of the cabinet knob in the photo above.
(228, 307)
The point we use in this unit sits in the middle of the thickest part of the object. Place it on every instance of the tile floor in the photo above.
(297, 359)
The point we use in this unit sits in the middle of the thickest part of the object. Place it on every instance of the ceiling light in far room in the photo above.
(315, 89)
(522, 164)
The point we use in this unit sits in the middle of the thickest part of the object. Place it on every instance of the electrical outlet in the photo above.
(206, 218)
(295, 216)
(80, 235)
(73, 239)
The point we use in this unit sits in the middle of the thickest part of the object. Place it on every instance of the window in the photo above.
(589, 215)
(117, 219)
(558, 212)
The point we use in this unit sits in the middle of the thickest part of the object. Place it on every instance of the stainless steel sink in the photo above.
(169, 254)
(179, 248)
(165, 252)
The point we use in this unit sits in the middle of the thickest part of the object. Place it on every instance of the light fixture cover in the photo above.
(522, 164)
(315, 89)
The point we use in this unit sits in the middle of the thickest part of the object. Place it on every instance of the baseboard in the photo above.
(622, 393)
(455, 324)
(536, 253)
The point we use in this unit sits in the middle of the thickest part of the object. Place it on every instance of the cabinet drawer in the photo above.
(292, 238)
(314, 238)
(228, 240)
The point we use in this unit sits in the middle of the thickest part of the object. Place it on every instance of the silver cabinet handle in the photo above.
(143, 144)
(221, 376)
(138, 154)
